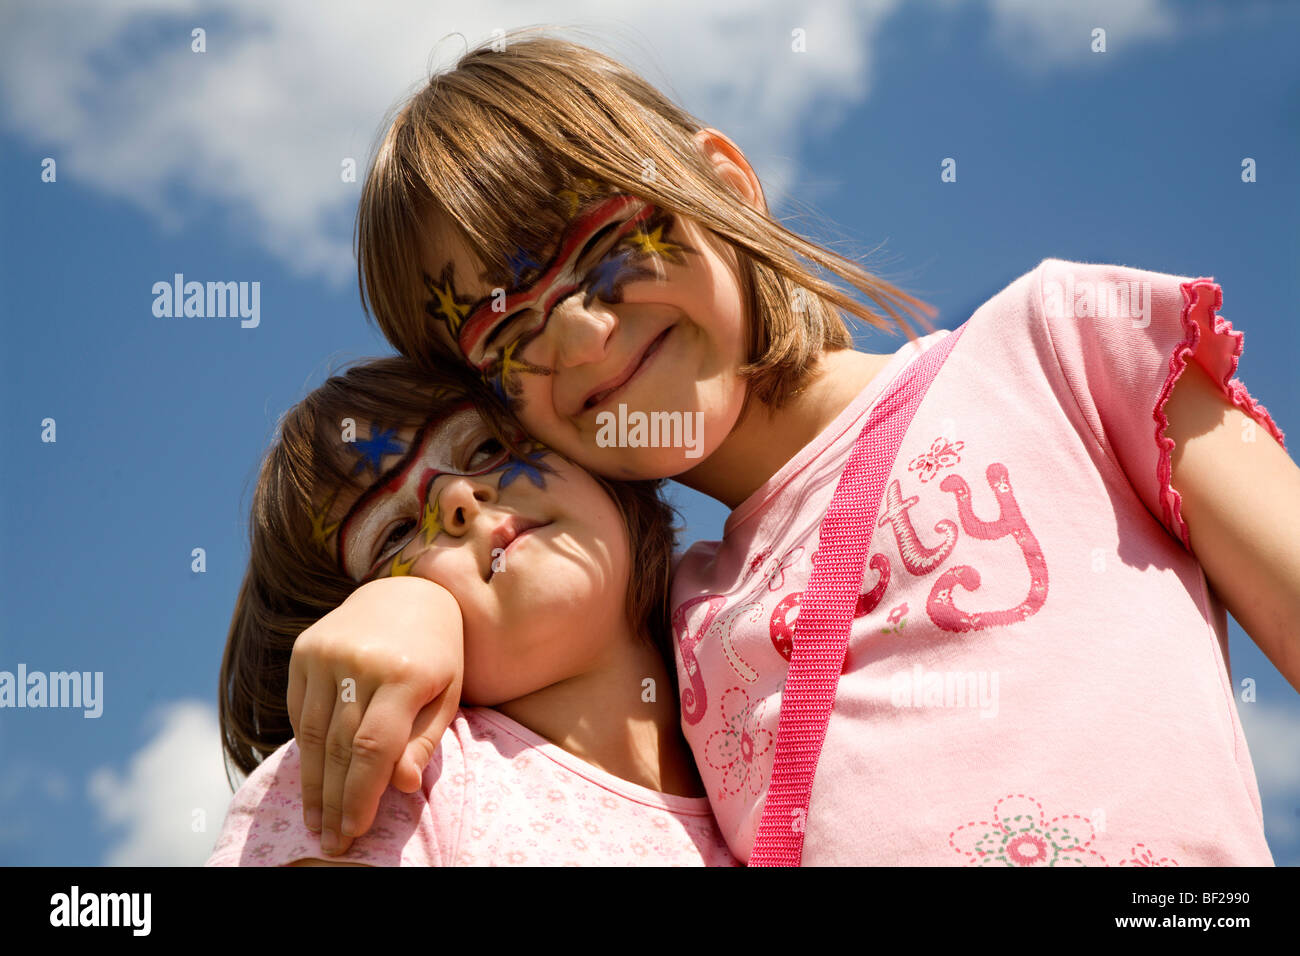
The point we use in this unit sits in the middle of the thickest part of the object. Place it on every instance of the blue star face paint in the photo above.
(524, 466)
(376, 447)
(520, 263)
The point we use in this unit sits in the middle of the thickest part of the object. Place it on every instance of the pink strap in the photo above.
(821, 633)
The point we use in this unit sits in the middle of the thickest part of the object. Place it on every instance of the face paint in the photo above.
(444, 305)
(600, 249)
(430, 521)
(524, 466)
(400, 567)
(582, 191)
(528, 309)
(321, 531)
(449, 445)
(521, 263)
(376, 447)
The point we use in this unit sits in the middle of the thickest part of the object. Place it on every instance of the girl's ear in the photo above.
(730, 164)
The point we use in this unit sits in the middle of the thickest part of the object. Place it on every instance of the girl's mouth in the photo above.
(507, 533)
(601, 395)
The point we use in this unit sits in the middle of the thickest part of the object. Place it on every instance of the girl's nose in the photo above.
(581, 334)
(461, 500)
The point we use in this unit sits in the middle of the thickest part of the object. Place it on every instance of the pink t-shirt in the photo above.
(1037, 672)
(495, 794)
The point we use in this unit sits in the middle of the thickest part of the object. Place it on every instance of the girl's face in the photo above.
(534, 551)
(633, 312)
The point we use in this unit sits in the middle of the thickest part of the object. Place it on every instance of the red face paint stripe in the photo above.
(483, 319)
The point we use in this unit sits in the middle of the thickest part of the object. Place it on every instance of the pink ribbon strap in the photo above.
(821, 634)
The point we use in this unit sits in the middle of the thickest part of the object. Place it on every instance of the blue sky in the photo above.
(224, 166)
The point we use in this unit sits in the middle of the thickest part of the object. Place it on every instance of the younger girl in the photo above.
(1036, 664)
(554, 578)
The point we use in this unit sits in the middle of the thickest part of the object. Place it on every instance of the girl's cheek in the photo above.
(436, 567)
(536, 412)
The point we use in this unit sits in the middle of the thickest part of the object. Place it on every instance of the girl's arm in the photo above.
(1241, 501)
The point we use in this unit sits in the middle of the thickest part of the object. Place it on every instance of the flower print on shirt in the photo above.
(776, 577)
(1140, 855)
(942, 454)
(1021, 835)
(897, 618)
(738, 747)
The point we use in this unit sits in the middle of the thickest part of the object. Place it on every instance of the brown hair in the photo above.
(488, 146)
(291, 582)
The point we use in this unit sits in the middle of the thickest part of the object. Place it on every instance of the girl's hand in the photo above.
(373, 685)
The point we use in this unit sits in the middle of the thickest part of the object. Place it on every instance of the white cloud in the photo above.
(1273, 734)
(1037, 35)
(174, 782)
(260, 123)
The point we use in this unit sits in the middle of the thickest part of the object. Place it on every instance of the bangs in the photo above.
(508, 214)
(501, 151)
(508, 207)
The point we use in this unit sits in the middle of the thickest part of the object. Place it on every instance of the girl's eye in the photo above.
(500, 328)
(484, 453)
(399, 533)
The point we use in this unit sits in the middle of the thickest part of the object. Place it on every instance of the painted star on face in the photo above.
(524, 466)
(431, 523)
(320, 531)
(582, 190)
(508, 361)
(374, 448)
(570, 197)
(520, 263)
(607, 277)
(445, 304)
(502, 375)
(652, 242)
(400, 568)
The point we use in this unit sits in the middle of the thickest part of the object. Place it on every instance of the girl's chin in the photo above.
(623, 447)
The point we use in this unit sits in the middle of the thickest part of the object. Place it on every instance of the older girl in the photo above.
(1001, 638)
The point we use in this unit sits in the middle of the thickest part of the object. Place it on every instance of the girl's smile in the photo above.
(604, 393)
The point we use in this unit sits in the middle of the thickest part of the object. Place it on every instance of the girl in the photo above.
(1032, 664)
(530, 561)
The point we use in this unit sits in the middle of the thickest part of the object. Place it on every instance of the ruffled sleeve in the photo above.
(1122, 338)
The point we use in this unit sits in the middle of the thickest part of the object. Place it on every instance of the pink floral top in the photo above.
(495, 794)
(1037, 672)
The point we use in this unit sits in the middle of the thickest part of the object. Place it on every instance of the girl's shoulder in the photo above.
(1059, 290)
(1107, 330)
